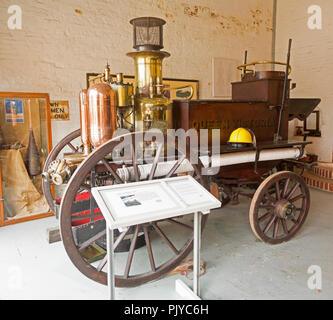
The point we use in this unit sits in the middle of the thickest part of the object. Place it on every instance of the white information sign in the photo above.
(124, 205)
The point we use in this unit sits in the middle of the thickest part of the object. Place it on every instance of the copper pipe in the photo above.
(84, 120)
(102, 113)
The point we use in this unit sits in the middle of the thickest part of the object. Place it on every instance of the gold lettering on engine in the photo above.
(226, 125)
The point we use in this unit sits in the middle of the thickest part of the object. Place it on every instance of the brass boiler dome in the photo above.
(152, 108)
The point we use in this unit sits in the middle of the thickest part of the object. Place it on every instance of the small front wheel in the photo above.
(279, 207)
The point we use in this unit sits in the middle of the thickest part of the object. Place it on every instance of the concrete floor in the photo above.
(238, 266)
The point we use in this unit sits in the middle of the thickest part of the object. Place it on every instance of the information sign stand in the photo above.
(125, 205)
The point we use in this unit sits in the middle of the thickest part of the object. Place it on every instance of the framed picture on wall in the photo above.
(25, 142)
(180, 89)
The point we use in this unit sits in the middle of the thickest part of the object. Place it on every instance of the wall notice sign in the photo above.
(59, 110)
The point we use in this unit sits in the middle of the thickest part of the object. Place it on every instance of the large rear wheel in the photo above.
(167, 242)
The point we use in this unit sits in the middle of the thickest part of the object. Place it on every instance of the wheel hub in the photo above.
(285, 210)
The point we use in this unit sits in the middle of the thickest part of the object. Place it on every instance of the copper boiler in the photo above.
(102, 114)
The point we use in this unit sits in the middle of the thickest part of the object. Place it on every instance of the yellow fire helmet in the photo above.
(241, 137)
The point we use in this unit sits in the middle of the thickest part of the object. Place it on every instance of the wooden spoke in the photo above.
(266, 206)
(165, 238)
(265, 216)
(175, 167)
(300, 196)
(276, 228)
(284, 225)
(269, 224)
(149, 249)
(285, 188)
(72, 147)
(154, 166)
(121, 238)
(92, 239)
(180, 224)
(134, 162)
(294, 221)
(115, 246)
(131, 251)
(112, 171)
(277, 189)
(292, 190)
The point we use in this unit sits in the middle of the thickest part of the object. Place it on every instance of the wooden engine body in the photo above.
(227, 116)
(255, 104)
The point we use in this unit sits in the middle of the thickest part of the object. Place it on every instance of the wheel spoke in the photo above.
(266, 206)
(284, 225)
(134, 162)
(175, 167)
(292, 190)
(149, 249)
(165, 238)
(72, 147)
(269, 224)
(154, 166)
(115, 246)
(300, 196)
(131, 251)
(276, 228)
(294, 221)
(265, 216)
(112, 171)
(92, 239)
(285, 188)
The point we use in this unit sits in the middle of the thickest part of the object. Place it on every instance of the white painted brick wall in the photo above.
(63, 40)
(312, 62)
